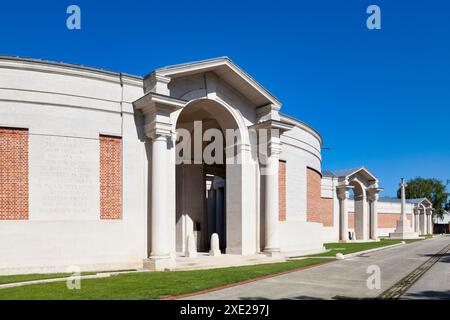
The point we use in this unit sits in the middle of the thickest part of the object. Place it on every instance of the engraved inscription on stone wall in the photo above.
(64, 178)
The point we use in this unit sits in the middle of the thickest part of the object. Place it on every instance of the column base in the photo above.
(404, 235)
(214, 253)
(273, 253)
(159, 264)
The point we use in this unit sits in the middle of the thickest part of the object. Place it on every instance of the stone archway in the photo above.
(360, 204)
(364, 186)
(208, 191)
(226, 89)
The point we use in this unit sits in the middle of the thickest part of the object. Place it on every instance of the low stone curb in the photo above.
(355, 254)
(39, 281)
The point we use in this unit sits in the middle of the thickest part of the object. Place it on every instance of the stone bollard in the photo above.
(340, 256)
(215, 250)
(191, 246)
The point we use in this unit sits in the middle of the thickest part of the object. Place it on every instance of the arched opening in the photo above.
(202, 174)
(359, 219)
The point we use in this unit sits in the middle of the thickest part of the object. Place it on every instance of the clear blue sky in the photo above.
(380, 98)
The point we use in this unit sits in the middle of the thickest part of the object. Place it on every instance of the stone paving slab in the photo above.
(435, 284)
(343, 279)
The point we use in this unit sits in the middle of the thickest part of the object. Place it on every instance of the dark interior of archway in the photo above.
(209, 185)
(356, 193)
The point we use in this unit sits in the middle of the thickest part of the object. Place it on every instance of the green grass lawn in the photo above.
(36, 276)
(346, 248)
(151, 285)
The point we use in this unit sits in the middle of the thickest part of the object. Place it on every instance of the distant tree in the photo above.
(432, 189)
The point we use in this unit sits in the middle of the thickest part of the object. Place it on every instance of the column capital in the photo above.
(342, 191)
(268, 112)
(269, 133)
(157, 110)
(157, 83)
(373, 193)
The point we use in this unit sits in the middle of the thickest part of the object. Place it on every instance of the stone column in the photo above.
(429, 221)
(373, 196)
(374, 218)
(342, 194)
(425, 222)
(361, 217)
(416, 220)
(156, 110)
(159, 219)
(271, 205)
(269, 148)
(421, 221)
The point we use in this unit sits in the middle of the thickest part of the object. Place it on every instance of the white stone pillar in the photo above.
(271, 203)
(374, 218)
(416, 220)
(361, 217)
(372, 194)
(425, 222)
(157, 108)
(343, 213)
(430, 226)
(429, 221)
(269, 149)
(159, 210)
(422, 221)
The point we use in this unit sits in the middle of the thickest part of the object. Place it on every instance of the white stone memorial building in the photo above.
(89, 170)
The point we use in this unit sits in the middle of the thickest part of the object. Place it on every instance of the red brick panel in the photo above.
(110, 177)
(282, 191)
(351, 220)
(389, 220)
(13, 174)
(318, 209)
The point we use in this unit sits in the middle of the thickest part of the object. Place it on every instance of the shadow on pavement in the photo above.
(435, 295)
(445, 257)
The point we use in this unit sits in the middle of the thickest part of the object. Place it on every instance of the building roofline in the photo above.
(214, 63)
(302, 125)
(69, 65)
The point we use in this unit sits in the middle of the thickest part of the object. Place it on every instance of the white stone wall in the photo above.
(300, 148)
(65, 109)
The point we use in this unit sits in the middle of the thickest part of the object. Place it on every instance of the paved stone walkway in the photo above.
(435, 284)
(342, 279)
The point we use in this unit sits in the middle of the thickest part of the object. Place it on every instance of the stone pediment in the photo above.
(177, 81)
